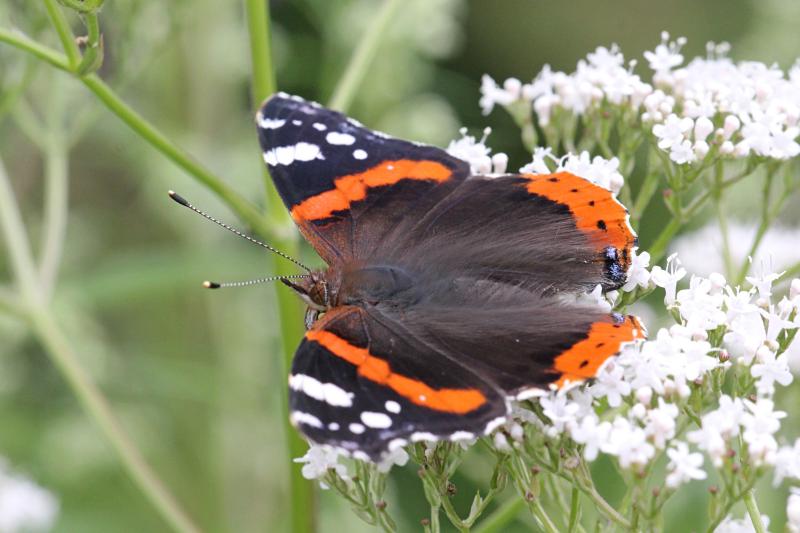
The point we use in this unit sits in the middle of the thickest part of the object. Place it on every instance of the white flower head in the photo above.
(683, 466)
(319, 459)
(667, 55)
(475, 152)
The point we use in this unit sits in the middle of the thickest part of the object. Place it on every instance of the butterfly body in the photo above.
(446, 294)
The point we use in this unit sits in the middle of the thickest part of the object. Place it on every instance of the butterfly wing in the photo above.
(361, 382)
(347, 186)
(548, 233)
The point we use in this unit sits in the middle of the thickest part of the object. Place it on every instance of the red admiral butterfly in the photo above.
(442, 300)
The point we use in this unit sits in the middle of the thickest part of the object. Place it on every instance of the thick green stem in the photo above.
(752, 510)
(646, 192)
(574, 510)
(301, 490)
(365, 52)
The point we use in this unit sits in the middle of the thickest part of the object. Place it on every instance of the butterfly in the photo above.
(443, 299)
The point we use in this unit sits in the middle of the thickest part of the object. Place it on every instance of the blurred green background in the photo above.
(195, 376)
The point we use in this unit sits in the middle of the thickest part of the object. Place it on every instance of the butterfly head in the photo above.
(317, 290)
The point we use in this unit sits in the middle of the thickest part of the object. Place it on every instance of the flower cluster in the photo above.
(736, 109)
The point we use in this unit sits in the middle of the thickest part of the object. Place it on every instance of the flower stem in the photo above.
(359, 63)
(574, 510)
(752, 510)
(301, 490)
(56, 197)
(64, 33)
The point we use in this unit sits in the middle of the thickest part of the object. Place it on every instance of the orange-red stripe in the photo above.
(354, 187)
(589, 203)
(583, 359)
(375, 369)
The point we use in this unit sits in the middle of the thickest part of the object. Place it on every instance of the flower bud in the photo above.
(644, 395)
(702, 129)
(730, 126)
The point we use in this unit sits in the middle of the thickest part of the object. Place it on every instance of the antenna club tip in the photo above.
(178, 198)
(211, 285)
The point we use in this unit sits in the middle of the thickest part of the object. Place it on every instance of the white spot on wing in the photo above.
(320, 127)
(299, 417)
(343, 139)
(269, 123)
(286, 155)
(325, 392)
(333, 426)
(392, 406)
(359, 154)
(356, 428)
(297, 122)
(376, 420)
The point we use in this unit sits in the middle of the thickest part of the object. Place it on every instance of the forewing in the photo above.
(347, 186)
(548, 233)
(364, 384)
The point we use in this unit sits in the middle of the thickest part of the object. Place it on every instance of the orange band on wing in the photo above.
(596, 211)
(353, 187)
(375, 369)
(605, 339)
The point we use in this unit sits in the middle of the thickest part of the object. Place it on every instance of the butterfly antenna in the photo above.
(181, 200)
(215, 285)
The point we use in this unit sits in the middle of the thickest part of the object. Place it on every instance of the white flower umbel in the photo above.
(24, 506)
(598, 170)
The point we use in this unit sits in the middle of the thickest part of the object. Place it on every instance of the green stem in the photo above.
(79, 381)
(95, 404)
(19, 251)
(301, 490)
(9, 303)
(19, 40)
(56, 198)
(504, 515)
(160, 142)
(245, 210)
(65, 34)
(574, 510)
(752, 510)
(93, 54)
(767, 217)
(365, 52)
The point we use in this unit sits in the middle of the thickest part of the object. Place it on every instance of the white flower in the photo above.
(718, 427)
(673, 131)
(668, 279)
(318, 460)
(24, 506)
(793, 510)
(770, 370)
(629, 443)
(600, 171)
(539, 163)
(610, 384)
(560, 410)
(787, 463)
(638, 275)
(660, 423)
(592, 433)
(492, 94)
(398, 456)
(683, 152)
(476, 153)
(667, 55)
(759, 422)
(683, 466)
